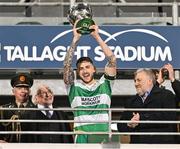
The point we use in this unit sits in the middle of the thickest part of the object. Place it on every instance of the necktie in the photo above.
(20, 112)
(144, 96)
(21, 106)
(48, 114)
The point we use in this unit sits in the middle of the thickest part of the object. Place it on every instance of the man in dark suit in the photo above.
(148, 96)
(44, 99)
(21, 84)
(175, 84)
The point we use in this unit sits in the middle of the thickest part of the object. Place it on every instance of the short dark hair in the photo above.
(82, 59)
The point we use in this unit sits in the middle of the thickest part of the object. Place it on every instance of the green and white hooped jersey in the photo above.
(97, 96)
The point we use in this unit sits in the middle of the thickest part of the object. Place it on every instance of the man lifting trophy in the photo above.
(83, 13)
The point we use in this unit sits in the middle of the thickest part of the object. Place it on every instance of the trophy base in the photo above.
(84, 25)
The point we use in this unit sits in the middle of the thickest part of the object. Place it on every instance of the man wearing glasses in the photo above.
(44, 98)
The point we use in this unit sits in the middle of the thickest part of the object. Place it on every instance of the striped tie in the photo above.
(48, 114)
(144, 96)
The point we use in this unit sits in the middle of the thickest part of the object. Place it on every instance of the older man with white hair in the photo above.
(44, 99)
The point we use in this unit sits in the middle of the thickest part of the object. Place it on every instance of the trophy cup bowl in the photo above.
(83, 13)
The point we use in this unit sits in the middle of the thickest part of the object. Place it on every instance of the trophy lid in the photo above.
(79, 11)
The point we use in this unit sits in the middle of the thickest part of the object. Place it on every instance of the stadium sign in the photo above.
(44, 47)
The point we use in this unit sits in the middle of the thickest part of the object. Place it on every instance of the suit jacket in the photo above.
(46, 138)
(12, 126)
(158, 98)
(176, 88)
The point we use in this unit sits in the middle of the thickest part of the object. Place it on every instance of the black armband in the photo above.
(109, 77)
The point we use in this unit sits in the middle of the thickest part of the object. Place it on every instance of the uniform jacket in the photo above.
(158, 98)
(56, 127)
(11, 126)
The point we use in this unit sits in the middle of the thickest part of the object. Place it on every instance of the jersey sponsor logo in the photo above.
(90, 100)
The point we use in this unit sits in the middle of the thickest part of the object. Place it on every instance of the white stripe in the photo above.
(94, 100)
(90, 118)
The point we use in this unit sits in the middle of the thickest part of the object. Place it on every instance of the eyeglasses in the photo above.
(44, 93)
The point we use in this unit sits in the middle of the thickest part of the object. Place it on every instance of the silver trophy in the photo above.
(83, 13)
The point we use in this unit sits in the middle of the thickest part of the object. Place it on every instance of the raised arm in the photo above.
(110, 68)
(68, 75)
